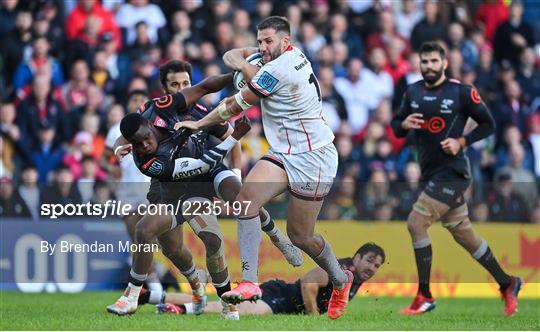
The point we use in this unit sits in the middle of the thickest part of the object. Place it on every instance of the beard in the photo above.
(431, 76)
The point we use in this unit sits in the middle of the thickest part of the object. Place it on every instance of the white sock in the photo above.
(249, 240)
(189, 308)
(134, 292)
(328, 262)
(155, 297)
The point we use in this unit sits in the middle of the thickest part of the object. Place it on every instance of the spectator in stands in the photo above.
(41, 109)
(29, 190)
(242, 27)
(46, 157)
(85, 9)
(486, 74)
(360, 90)
(7, 152)
(16, 45)
(429, 28)
(480, 212)
(74, 91)
(396, 65)
(407, 191)
(93, 106)
(406, 17)
(386, 33)
(40, 57)
(376, 192)
(114, 115)
(100, 74)
(348, 156)
(455, 64)
(311, 40)
(135, 11)
(513, 36)
(101, 193)
(489, 15)
(89, 177)
(411, 77)
(511, 110)
(334, 111)
(523, 179)
(81, 147)
(385, 84)
(294, 15)
(339, 31)
(456, 39)
(8, 16)
(506, 205)
(11, 203)
(63, 190)
(179, 30)
(528, 76)
(534, 139)
(86, 42)
(340, 55)
(513, 136)
(345, 199)
(90, 123)
(142, 43)
(11, 133)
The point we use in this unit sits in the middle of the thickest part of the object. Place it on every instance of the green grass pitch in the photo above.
(86, 311)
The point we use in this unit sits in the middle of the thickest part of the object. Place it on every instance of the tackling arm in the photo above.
(208, 85)
(310, 284)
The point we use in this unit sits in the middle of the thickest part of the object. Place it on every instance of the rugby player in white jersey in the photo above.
(302, 157)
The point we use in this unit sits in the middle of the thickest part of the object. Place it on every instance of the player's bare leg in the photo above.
(458, 224)
(131, 220)
(229, 188)
(146, 232)
(176, 304)
(265, 181)
(301, 218)
(173, 248)
(425, 211)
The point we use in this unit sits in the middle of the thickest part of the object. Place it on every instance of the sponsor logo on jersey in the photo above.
(154, 166)
(164, 101)
(445, 106)
(159, 122)
(475, 96)
(448, 191)
(191, 172)
(434, 125)
(414, 104)
(430, 98)
(267, 81)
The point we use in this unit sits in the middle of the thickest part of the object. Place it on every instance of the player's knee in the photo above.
(212, 242)
(144, 232)
(417, 222)
(299, 240)
(246, 200)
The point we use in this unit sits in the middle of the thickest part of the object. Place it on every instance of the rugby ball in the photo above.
(238, 78)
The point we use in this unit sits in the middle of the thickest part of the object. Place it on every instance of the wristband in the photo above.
(241, 101)
(116, 150)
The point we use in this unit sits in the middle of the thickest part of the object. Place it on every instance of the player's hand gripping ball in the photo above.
(238, 78)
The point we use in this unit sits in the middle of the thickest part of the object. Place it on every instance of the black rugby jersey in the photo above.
(445, 110)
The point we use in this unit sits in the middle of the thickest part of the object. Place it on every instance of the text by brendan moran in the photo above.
(120, 246)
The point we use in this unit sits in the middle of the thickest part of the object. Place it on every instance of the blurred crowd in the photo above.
(71, 69)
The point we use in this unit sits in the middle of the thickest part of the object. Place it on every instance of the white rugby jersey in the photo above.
(130, 172)
(291, 104)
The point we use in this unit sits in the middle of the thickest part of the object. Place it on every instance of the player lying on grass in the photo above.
(308, 295)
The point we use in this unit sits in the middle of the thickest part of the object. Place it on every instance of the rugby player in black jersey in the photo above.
(308, 295)
(436, 110)
(162, 114)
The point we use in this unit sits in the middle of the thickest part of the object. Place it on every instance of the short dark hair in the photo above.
(173, 66)
(278, 23)
(131, 123)
(432, 46)
(89, 158)
(371, 247)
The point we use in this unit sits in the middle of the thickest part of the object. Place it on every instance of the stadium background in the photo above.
(68, 67)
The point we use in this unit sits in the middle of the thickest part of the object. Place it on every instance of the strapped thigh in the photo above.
(430, 207)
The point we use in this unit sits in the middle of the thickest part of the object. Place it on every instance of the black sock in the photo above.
(135, 281)
(489, 262)
(269, 226)
(223, 289)
(423, 264)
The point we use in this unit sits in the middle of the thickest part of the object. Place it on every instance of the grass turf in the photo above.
(86, 311)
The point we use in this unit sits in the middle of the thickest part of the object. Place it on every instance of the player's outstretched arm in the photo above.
(228, 108)
(208, 85)
(309, 285)
(188, 167)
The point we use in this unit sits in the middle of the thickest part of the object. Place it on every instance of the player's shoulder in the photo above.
(416, 86)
